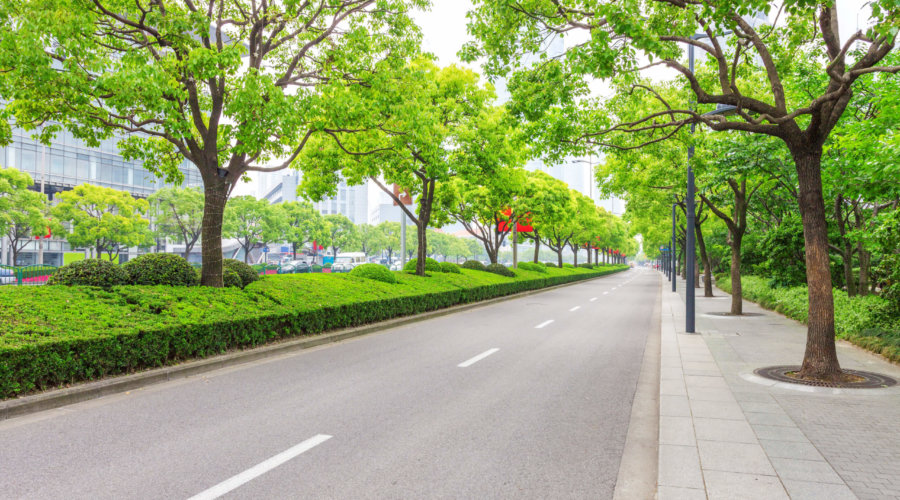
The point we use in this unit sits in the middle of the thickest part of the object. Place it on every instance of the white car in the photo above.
(340, 267)
(7, 276)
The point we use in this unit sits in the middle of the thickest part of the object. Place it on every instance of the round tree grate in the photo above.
(869, 380)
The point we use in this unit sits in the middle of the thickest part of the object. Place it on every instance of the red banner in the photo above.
(521, 227)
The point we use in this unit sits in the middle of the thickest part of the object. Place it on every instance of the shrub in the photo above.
(315, 268)
(550, 264)
(449, 267)
(327, 265)
(474, 264)
(501, 270)
(91, 272)
(533, 266)
(231, 278)
(586, 266)
(244, 271)
(160, 269)
(568, 266)
(430, 265)
(375, 272)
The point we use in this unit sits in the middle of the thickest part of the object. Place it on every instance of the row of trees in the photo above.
(783, 93)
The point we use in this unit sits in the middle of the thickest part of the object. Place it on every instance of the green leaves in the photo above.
(103, 218)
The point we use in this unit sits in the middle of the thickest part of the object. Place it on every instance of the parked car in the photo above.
(294, 266)
(396, 266)
(341, 267)
(7, 277)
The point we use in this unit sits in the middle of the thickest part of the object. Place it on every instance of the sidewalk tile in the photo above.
(679, 466)
(674, 406)
(734, 457)
(758, 396)
(672, 388)
(734, 486)
(803, 490)
(761, 407)
(715, 429)
(769, 419)
(710, 394)
(779, 433)
(676, 430)
(806, 470)
(674, 493)
(716, 409)
(717, 382)
(788, 449)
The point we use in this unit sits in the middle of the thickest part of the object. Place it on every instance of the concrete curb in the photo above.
(92, 390)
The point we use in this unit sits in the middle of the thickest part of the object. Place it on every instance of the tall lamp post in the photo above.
(690, 208)
(674, 269)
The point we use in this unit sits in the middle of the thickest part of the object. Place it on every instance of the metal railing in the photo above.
(26, 275)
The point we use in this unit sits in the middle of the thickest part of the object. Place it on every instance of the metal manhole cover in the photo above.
(870, 380)
(729, 315)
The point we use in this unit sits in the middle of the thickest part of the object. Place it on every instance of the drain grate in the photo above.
(870, 380)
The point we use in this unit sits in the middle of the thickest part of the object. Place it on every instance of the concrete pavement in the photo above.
(726, 434)
(529, 398)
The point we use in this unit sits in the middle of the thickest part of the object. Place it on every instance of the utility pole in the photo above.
(40, 259)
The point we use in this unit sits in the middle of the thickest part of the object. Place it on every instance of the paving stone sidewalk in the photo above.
(726, 434)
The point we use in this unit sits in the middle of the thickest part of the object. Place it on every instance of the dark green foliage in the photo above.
(568, 266)
(90, 272)
(374, 272)
(786, 264)
(61, 335)
(244, 271)
(449, 267)
(586, 266)
(501, 270)
(315, 268)
(327, 265)
(160, 269)
(550, 264)
(230, 277)
(532, 266)
(431, 265)
(863, 320)
(474, 264)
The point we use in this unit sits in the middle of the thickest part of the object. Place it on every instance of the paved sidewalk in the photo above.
(726, 434)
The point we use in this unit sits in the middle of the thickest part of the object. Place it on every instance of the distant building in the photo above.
(68, 162)
(351, 201)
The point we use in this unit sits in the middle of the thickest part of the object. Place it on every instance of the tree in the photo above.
(105, 219)
(340, 232)
(425, 125)
(178, 214)
(478, 204)
(303, 224)
(22, 212)
(253, 222)
(748, 73)
(228, 85)
(368, 238)
(550, 206)
(389, 239)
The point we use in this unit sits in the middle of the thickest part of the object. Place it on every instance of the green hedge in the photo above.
(54, 336)
(866, 321)
(374, 272)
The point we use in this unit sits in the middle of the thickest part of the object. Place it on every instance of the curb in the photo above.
(92, 390)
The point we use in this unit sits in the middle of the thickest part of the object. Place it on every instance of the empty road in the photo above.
(527, 398)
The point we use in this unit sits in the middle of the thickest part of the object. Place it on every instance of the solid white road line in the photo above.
(574, 308)
(593, 299)
(260, 469)
(604, 293)
(545, 323)
(470, 362)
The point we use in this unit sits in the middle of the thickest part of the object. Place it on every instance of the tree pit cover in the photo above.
(850, 379)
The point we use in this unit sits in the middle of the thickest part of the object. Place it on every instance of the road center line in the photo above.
(472, 361)
(604, 293)
(260, 468)
(574, 308)
(593, 299)
(545, 323)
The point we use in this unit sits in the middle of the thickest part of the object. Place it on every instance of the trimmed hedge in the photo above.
(160, 269)
(864, 320)
(90, 272)
(550, 264)
(244, 271)
(54, 336)
(474, 265)
(431, 265)
(533, 266)
(231, 278)
(449, 267)
(568, 266)
(374, 272)
(500, 269)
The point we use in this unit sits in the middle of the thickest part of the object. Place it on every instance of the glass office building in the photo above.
(68, 162)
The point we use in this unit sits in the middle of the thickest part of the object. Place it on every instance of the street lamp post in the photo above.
(674, 270)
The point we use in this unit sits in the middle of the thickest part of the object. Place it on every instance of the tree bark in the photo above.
(216, 195)
(537, 247)
(737, 293)
(575, 254)
(559, 255)
(820, 359)
(707, 268)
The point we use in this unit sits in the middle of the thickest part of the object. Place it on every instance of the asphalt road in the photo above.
(493, 402)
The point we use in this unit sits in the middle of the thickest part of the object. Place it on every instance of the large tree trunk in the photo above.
(559, 255)
(737, 294)
(575, 258)
(216, 195)
(820, 360)
(589, 255)
(422, 251)
(865, 259)
(537, 247)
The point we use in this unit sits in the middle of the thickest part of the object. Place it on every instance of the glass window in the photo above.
(71, 165)
(118, 175)
(105, 172)
(57, 164)
(84, 168)
(28, 160)
(93, 169)
(13, 156)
